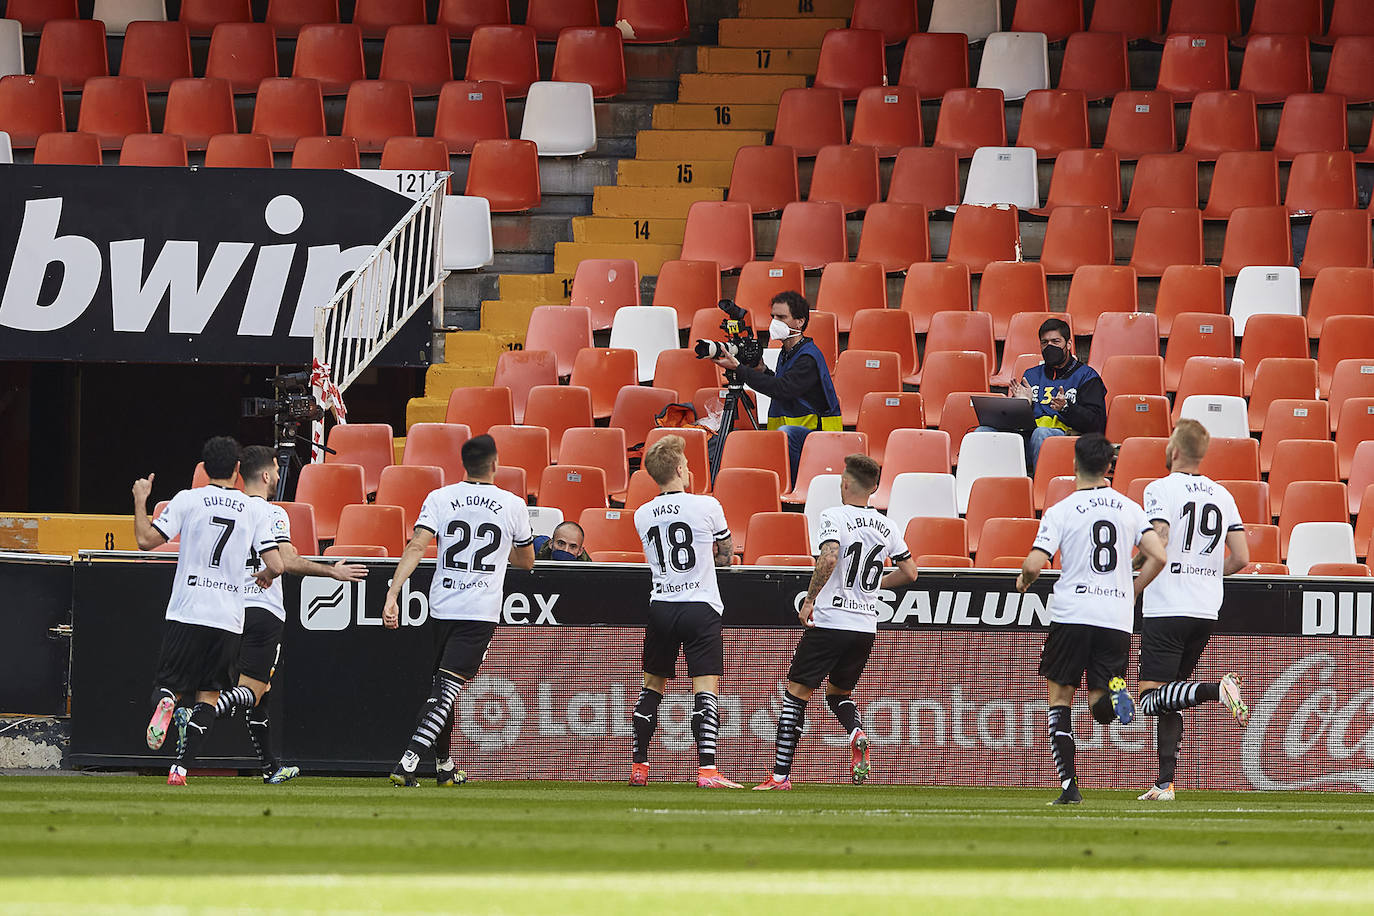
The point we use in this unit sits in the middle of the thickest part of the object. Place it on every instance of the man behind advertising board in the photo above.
(1198, 521)
(1092, 607)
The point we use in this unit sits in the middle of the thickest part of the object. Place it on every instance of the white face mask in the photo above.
(778, 330)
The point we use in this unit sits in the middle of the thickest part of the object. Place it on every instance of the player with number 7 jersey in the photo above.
(481, 529)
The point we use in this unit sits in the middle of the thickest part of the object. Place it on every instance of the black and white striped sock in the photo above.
(433, 716)
(443, 748)
(789, 733)
(1062, 743)
(844, 708)
(645, 722)
(705, 726)
(231, 701)
(1178, 696)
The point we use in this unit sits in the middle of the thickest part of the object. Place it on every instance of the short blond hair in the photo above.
(663, 458)
(1191, 439)
(863, 470)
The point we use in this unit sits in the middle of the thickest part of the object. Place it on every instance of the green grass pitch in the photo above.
(120, 843)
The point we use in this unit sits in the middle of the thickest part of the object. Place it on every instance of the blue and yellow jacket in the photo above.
(1086, 411)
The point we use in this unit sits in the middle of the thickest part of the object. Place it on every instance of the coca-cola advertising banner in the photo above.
(174, 265)
(950, 696)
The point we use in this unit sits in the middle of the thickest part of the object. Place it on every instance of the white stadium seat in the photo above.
(11, 47)
(1319, 542)
(1265, 290)
(984, 454)
(921, 495)
(1224, 415)
(975, 18)
(467, 233)
(1002, 175)
(646, 329)
(117, 14)
(543, 519)
(1016, 63)
(560, 119)
(6, 150)
(822, 493)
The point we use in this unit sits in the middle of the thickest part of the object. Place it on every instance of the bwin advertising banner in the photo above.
(188, 265)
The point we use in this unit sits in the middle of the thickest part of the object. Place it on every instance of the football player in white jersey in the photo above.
(1092, 607)
(1198, 522)
(685, 538)
(481, 530)
(840, 612)
(220, 529)
(264, 616)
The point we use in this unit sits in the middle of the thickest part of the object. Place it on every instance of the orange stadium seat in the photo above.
(573, 488)
(912, 451)
(1134, 374)
(288, 16)
(558, 408)
(1289, 17)
(1312, 122)
(1269, 335)
(470, 111)
(681, 371)
(325, 153)
(895, 235)
(550, 17)
(1321, 181)
(883, 412)
(506, 173)
(1252, 501)
(951, 371)
(375, 17)
(407, 486)
(962, 331)
(926, 175)
(301, 518)
(1349, 72)
(238, 151)
(1194, 288)
(604, 286)
(287, 110)
(525, 447)
(888, 118)
(957, 417)
(653, 21)
(593, 55)
(635, 409)
(1361, 481)
(1131, 415)
(112, 107)
(1009, 288)
(889, 330)
(809, 119)
(1291, 418)
(244, 53)
(743, 493)
(772, 533)
(1339, 291)
(981, 235)
(32, 15)
(1276, 66)
(29, 107)
(1222, 121)
(1295, 460)
(719, 231)
(1058, 19)
(480, 408)
(1242, 179)
(1337, 239)
(857, 372)
(1055, 460)
(1005, 537)
(374, 526)
(1210, 375)
(1354, 424)
(848, 287)
(1085, 178)
(896, 19)
(1141, 457)
(366, 444)
(764, 177)
(198, 109)
(1193, 63)
(505, 54)
(610, 531)
(929, 537)
(157, 53)
(785, 559)
(415, 153)
(167, 150)
(934, 287)
(328, 488)
(437, 445)
(604, 372)
(521, 370)
(1141, 123)
(419, 55)
(642, 489)
(1232, 459)
(1096, 64)
(1163, 180)
(759, 282)
(696, 447)
(331, 53)
(73, 51)
(1204, 16)
(687, 287)
(1054, 120)
(761, 448)
(1076, 237)
(1343, 337)
(201, 16)
(1023, 338)
(1196, 334)
(970, 118)
(1097, 289)
(358, 551)
(599, 447)
(69, 148)
(1257, 236)
(463, 17)
(1263, 541)
(1352, 378)
(850, 60)
(934, 63)
(813, 234)
(847, 175)
(1358, 570)
(1123, 333)
(997, 497)
(376, 111)
(1136, 19)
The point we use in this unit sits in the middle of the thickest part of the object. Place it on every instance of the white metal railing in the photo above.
(386, 290)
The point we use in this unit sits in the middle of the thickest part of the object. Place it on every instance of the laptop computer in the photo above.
(1012, 415)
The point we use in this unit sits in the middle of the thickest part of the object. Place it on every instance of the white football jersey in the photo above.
(220, 530)
(1094, 531)
(1200, 513)
(849, 598)
(477, 524)
(679, 531)
(270, 597)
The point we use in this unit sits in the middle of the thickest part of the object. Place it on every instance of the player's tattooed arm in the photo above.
(825, 565)
(725, 551)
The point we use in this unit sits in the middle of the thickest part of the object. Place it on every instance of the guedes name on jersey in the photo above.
(227, 501)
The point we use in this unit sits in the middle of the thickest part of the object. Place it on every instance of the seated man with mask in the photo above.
(803, 397)
(564, 544)
(1067, 397)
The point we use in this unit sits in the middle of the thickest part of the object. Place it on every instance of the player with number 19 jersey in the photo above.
(1200, 513)
(476, 524)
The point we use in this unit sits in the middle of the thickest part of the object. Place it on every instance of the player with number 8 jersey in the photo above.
(481, 530)
(685, 538)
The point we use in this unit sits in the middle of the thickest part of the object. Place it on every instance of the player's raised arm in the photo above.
(145, 533)
(341, 571)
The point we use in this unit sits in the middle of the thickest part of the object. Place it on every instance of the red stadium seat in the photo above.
(1339, 291)
(329, 488)
(822, 453)
(29, 107)
(1257, 236)
(681, 371)
(1009, 288)
(591, 55)
(847, 175)
(1086, 178)
(525, 448)
(850, 60)
(238, 151)
(437, 445)
(561, 329)
(719, 231)
(1222, 121)
(1096, 64)
(201, 16)
(1055, 460)
(895, 235)
(506, 173)
(896, 19)
(888, 118)
(1312, 122)
(67, 148)
(468, 112)
(886, 329)
(1054, 120)
(244, 53)
(1209, 375)
(1124, 333)
(166, 150)
(934, 63)
(1134, 374)
(776, 533)
(1196, 334)
(1005, 537)
(764, 177)
(1077, 237)
(1343, 337)
(598, 447)
(1058, 19)
(1291, 418)
(1242, 179)
(1252, 501)
(809, 119)
(73, 51)
(948, 372)
(480, 408)
(1132, 415)
(604, 372)
(610, 531)
(687, 287)
(1269, 335)
(603, 286)
(812, 234)
(573, 488)
(558, 408)
(653, 21)
(325, 153)
(198, 110)
(550, 17)
(376, 111)
(1023, 339)
(635, 409)
(505, 54)
(997, 497)
(287, 110)
(1136, 19)
(301, 518)
(1204, 16)
(1141, 123)
(1321, 181)
(521, 370)
(935, 287)
(1232, 459)
(1339, 240)
(1354, 424)
(1350, 73)
(32, 15)
(288, 16)
(420, 56)
(962, 331)
(1192, 63)
(759, 282)
(1097, 289)
(1189, 288)
(331, 53)
(112, 108)
(1163, 180)
(849, 287)
(1276, 66)
(981, 235)
(376, 17)
(369, 445)
(970, 118)
(881, 413)
(857, 372)
(762, 448)
(928, 176)
(1299, 459)
(1311, 501)
(463, 17)
(157, 53)
(937, 537)
(407, 486)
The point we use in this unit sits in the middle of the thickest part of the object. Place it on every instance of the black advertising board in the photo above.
(172, 265)
(33, 661)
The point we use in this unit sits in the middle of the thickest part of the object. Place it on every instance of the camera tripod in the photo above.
(287, 452)
(735, 398)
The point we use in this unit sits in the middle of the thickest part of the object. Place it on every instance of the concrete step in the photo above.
(838, 9)
(710, 173)
(536, 262)
(425, 410)
(726, 88)
(758, 60)
(712, 117)
(545, 287)
(526, 232)
(643, 203)
(472, 348)
(649, 256)
(442, 378)
(510, 318)
(681, 145)
(776, 33)
(617, 230)
(465, 290)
